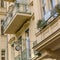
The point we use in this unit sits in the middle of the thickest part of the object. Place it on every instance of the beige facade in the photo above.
(46, 44)
(3, 38)
(21, 27)
(3, 47)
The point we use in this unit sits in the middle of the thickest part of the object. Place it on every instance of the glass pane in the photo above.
(47, 15)
(24, 54)
(44, 6)
(52, 3)
(58, 1)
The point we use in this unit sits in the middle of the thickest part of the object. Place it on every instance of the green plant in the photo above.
(41, 23)
(57, 8)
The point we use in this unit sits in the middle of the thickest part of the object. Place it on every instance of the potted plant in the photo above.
(57, 8)
(41, 23)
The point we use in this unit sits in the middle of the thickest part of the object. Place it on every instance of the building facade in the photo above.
(3, 37)
(46, 46)
(33, 29)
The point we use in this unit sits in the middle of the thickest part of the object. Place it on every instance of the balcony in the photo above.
(16, 18)
(48, 33)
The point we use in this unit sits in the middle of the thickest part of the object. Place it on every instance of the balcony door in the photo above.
(27, 43)
(52, 3)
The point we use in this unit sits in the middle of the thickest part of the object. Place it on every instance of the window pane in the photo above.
(44, 6)
(52, 3)
(47, 15)
(59, 1)
(43, 1)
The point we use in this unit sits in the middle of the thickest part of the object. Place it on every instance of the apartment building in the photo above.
(19, 32)
(47, 46)
(33, 28)
(3, 38)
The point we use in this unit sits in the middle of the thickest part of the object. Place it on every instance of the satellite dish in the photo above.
(17, 48)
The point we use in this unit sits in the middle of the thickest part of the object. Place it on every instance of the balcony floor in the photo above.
(17, 21)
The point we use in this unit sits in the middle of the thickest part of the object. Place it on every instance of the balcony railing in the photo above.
(18, 8)
(48, 17)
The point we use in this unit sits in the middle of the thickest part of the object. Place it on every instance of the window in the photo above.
(2, 27)
(2, 58)
(44, 10)
(59, 1)
(2, 3)
(52, 3)
(20, 39)
(43, 1)
(25, 8)
(44, 7)
(2, 54)
(27, 39)
(27, 33)
(28, 43)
